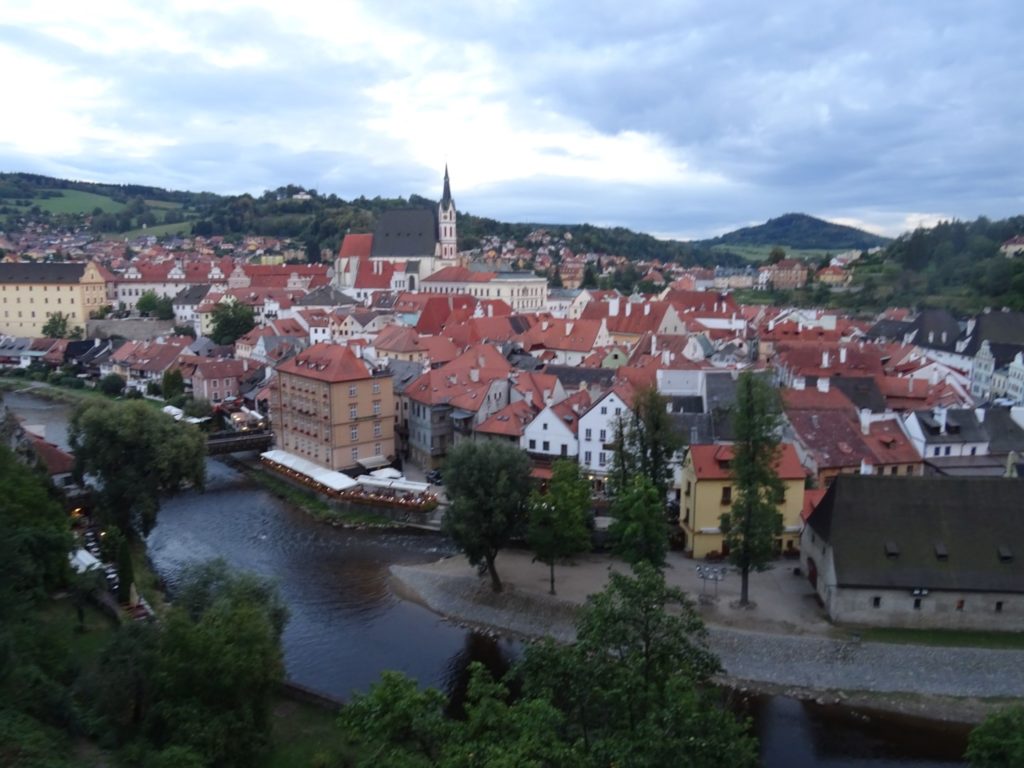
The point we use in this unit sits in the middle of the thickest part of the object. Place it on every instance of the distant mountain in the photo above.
(797, 230)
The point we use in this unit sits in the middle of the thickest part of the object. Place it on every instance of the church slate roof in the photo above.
(1000, 328)
(45, 272)
(930, 326)
(405, 233)
(890, 532)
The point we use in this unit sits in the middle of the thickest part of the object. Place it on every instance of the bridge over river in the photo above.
(220, 443)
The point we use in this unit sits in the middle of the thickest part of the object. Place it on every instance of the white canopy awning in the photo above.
(388, 473)
(407, 486)
(83, 560)
(336, 481)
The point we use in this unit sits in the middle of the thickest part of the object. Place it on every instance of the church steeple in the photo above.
(447, 239)
(446, 197)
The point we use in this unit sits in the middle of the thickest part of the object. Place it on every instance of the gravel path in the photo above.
(808, 661)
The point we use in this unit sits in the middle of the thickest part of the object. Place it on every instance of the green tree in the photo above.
(173, 383)
(488, 485)
(999, 741)
(112, 384)
(558, 519)
(139, 455)
(125, 573)
(589, 276)
(777, 254)
(121, 691)
(645, 442)
(56, 327)
(164, 309)
(639, 532)
(753, 522)
(147, 303)
(231, 319)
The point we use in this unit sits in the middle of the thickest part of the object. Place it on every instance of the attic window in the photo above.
(892, 549)
(1005, 554)
(940, 551)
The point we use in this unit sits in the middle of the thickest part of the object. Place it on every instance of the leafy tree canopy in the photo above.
(999, 741)
(558, 519)
(231, 319)
(639, 533)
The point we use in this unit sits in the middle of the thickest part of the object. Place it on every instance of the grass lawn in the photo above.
(164, 204)
(61, 621)
(946, 637)
(304, 735)
(77, 201)
(157, 230)
(56, 392)
(756, 253)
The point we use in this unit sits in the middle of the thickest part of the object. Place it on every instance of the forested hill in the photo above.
(321, 221)
(800, 231)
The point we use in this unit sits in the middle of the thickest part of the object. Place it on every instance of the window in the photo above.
(354, 433)
(876, 602)
(618, 411)
(959, 605)
(999, 606)
(687, 488)
(545, 446)
(604, 410)
(604, 435)
(533, 444)
(376, 407)
(974, 451)
(917, 603)
(565, 449)
(727, 494)
(353, 412)
(936, 453)
(587, 455)
(601, 459)
(376, 387)
(947, 451)
(377, 429)
(352, 390)
(587, 435)
(544, 425)
(910, 469)
(378, 449)
(355, 454)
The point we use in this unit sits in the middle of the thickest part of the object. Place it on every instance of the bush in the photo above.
(112, 384)
(133, 394)
(54, 377)
(72, 382)
(154, 388)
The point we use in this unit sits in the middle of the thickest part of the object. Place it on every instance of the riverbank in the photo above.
(759, 653)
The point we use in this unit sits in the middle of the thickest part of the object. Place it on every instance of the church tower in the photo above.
(446, 221)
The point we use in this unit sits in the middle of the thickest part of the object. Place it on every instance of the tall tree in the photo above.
(645, 442)
(139, 454)
(147, 303)
(173, 384)
(488, 485)
(231, 319)
(999, 741)
(558, 519)
(753, 522)
(56, 327)
(639, 533)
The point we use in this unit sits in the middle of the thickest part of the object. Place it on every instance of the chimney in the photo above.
(480, 361)
(613, 307)
(647, 309)
(979, 413)
(654, 344)
(799, 383)
(629, 308)
(824, 359)
(842, 355)
(935, 377)
(474, 375)
(568, 328)
(544, 325)
(940, 416)
(666, 357)
(490, 310)
(823, 384)
(865, 420)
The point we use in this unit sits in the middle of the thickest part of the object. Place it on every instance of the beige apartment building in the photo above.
(30, 293)
(333, 408)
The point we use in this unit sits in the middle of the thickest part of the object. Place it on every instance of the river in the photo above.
(347, 625)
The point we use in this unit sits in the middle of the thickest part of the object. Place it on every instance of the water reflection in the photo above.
(496, 654)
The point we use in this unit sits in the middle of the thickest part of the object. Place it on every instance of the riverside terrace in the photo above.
(383, 487)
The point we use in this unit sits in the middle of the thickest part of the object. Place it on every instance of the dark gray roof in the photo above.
(996, 327)
(971, 518)
(1003, 354)
(862, 391)
(962, 426)
(325, 296)
(703, 428)
(930, 326)
(524, 361)
(405, 232)
(966, 466)
(686, 403)
(403, 373)
(191, 296)
(53, 272)
(889, 330)
(1004, 434)
(572, 376)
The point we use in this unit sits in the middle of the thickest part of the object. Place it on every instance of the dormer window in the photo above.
(1005, 553)
(941, 553)
(892, 549)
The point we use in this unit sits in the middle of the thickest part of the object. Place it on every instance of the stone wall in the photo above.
(133, 328)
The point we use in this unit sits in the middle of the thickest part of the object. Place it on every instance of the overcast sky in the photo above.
(683, 119)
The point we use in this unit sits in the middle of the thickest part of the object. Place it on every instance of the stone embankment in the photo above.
(940, 682)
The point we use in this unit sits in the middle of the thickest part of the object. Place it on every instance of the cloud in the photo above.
(686, 118)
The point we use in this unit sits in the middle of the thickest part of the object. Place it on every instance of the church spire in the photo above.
(446, 197)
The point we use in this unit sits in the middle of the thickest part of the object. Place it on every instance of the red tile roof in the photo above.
(510, 421)
(711, 462)
(356, 245)
(327, 362)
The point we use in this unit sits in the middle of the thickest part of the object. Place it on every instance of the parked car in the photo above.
(434, 477)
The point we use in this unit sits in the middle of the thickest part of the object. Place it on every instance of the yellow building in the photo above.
(30, 293)
(706, 492)
(332, 408)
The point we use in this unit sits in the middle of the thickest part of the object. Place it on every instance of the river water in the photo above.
(347, 625)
